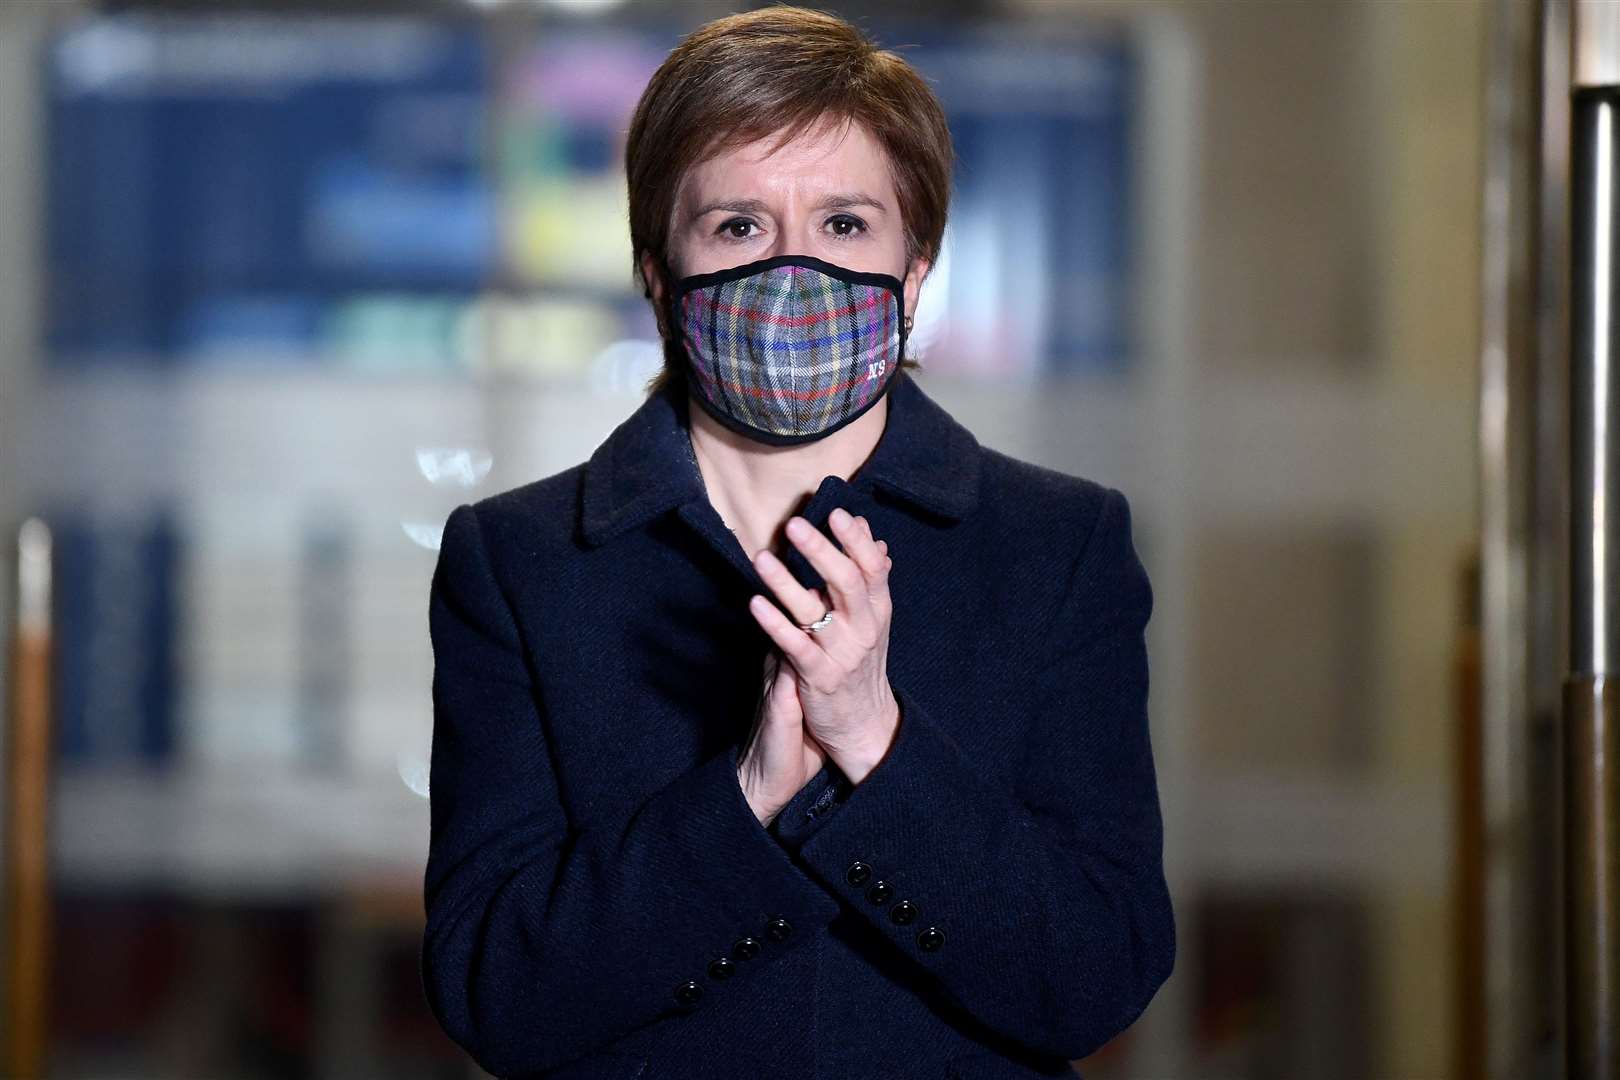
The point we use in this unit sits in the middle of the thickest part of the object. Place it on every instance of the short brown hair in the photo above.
(783, 69)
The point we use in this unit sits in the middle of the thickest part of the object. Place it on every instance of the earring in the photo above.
(908, 324)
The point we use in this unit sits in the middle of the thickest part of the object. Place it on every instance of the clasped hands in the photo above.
(827, 693)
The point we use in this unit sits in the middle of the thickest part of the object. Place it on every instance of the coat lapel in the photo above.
(645, 468)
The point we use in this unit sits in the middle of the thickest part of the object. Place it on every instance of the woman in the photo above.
(730, 784)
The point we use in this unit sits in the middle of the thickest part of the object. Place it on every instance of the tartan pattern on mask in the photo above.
(791, 350)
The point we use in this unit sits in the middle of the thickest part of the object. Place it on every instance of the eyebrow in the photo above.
(758, 206)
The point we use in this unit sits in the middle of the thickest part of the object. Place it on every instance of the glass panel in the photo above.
(308, 283)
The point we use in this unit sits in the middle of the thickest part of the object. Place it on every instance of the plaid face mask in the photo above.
(791, 348)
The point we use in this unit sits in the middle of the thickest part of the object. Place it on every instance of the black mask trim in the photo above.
(842, 273)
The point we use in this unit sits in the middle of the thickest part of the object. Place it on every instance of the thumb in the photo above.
(782, 691)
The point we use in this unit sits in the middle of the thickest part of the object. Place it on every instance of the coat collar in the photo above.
(646, 467)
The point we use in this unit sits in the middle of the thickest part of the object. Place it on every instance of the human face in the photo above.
(827, 193)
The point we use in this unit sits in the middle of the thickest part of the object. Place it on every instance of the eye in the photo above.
(730, 223)
(839, 220)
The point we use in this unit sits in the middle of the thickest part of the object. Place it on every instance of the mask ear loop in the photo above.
(669, 327)
(667, 309)
(669, 324)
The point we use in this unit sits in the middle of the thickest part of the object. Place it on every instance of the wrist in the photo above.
(764, 812)
(861, 761)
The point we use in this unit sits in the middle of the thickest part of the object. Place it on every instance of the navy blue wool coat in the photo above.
(989, 902)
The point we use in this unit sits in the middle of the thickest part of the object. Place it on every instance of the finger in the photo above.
(872, 556)
(844, 578)
(805, 605)
(855, 533)
(807, 656)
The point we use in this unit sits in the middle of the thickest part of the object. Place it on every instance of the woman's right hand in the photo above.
(782, 756)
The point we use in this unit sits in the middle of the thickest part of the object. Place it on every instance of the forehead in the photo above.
(831, 155)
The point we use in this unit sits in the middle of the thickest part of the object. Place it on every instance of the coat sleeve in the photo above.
(811, 807)
(546, 943)
(1043, 911)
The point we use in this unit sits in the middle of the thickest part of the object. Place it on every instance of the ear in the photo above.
(913, 282)
(657, 287)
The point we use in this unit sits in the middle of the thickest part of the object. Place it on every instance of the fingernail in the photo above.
(840, 516)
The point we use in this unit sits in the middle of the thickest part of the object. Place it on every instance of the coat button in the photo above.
(722, 968)
(903, 912)
(688, 992)
(931, 939)
(880, 892)
(778, 929)
(858, 873)
(746, 948)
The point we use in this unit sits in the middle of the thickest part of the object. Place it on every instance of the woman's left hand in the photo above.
(842, 669)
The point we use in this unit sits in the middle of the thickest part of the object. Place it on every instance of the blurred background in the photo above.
(281, 284)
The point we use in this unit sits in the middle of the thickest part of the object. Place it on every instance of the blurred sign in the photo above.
(373, 193)
(216, 185)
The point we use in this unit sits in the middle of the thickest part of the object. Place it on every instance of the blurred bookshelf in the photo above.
(237, 484)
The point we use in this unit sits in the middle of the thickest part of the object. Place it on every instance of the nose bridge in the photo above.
(792, 227)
